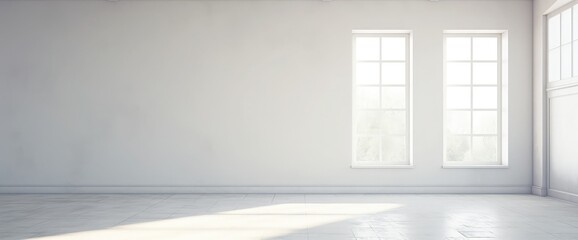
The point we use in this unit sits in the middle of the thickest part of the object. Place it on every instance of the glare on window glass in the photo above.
(485, 97)
(367, 148)
(393, 48)
(393, 73)
(367, 97)
(458, 97)
(554, 31)
(458, 122)
(367, 73)
(485, 149)
(458, 48)
(554, 65)
(485, 73)
(369, 122)
(458, 73)
(575, 22)
(367, 48)
(458, 148)
(485, 48)
(485, 122)
(566, 61)
(394, 122)
(394, 148)
(566, 28)
(575, 56)
(393, 97)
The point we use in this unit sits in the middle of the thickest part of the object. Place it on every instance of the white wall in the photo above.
(563, 135)
(229, 93)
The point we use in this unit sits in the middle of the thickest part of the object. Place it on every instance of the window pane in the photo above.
(554, 65)
(391, 122)
(381, 87)
(458, 148)
(393, 48)
(575, 22)
(554, 32)
(485, 73)
(367, 73)
(458, 97)
(393, 73)
(566, 58)
(485, 149)
(393, 149)
(485, 48)
(485, 122)
(575, 56)
(367, 97)
(369, 121)
(367, 48)
(458, 73)
(473, 108)
(367, 149)
(394, 122)
(485, 97)
(393, 97)
(566, 30)
(458, 122)
(458, 48)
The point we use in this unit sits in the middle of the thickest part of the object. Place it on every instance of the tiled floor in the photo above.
(285, 216)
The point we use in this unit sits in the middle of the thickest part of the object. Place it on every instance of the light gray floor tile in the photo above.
(285, 216)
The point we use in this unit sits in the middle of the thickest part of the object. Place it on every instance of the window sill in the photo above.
(380, 166)
(475, 166)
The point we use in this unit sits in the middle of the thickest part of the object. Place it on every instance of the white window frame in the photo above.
(502, 101)
(408, 95)
(573, 79)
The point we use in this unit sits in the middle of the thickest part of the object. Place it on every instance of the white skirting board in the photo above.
(540, 191)
(563, 195)
(266, 189)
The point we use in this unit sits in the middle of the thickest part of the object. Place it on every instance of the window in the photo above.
(473, 99)
(563, 45)
(381, 99)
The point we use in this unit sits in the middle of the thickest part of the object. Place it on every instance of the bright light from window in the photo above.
(381, 100)
(473, 99)
(267, 222)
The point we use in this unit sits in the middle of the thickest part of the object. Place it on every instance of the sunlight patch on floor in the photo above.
(267, 222)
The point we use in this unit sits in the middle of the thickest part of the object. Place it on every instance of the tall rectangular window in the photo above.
(473, 99)
(563, 45)
(381, 99)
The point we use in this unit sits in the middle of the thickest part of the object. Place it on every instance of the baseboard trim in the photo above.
(563, 195)
(269, 189)
(540, 191)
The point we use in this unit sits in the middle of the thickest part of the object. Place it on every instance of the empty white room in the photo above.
(288, 119)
